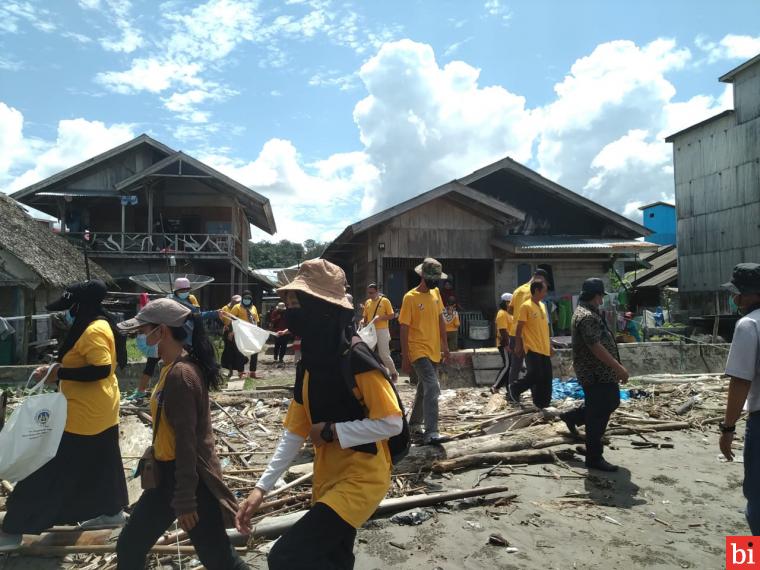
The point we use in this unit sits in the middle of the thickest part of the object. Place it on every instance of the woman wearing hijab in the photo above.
(245, 311)
(85, 480)
(189, 487)
(349, 428)
(228, 353)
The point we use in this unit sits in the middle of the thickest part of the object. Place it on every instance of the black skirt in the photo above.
(83, 481)
(232, 358)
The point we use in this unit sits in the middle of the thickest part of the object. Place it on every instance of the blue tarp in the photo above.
(572, 389)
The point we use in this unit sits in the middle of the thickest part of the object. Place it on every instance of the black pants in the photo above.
(153, 514)
(601, 400)
(538, 379)
(254, 362)
(84, 480)
(503, 376)
(280, 347)
(321, 539)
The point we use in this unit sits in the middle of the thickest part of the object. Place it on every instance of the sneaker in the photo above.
(9, 542)
(601, 465)
(570, 425)
(432, 438)
(106, 521)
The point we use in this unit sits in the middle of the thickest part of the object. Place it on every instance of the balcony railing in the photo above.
(115, 244)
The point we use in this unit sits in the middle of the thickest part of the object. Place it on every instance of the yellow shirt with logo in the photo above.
(165, 445)
(92, 407)
(352, 483)
(421, 312)
(520, 295)
(503, 321)
(535, 331)
(452, 321)
(383, 310)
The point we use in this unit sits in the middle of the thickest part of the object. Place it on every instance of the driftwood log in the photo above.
(505, 458)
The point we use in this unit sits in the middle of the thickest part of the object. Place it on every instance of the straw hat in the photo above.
(321, 279)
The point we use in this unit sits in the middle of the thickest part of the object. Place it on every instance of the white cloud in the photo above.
(423, 124)
(334, 78)
(26, 160)
(119, 14)
(13, 14)
(496, 9)
(453, 48)
(732, 46)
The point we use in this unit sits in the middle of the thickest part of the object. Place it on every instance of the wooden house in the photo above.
(150, 209)
(717, 188)
(490, 230)
(35, 266)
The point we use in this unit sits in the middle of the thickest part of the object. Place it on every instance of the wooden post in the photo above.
(149, 192)
(28, 312)
(716, 322)
(232, 280)
(123, 224)
(379, 277)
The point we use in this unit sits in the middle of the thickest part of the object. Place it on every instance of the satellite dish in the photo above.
(164, 282)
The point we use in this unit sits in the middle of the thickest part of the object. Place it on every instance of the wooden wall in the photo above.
(717, 176)
(437, 229)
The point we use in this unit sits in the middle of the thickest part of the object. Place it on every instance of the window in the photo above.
(651, 214)
(524, 273)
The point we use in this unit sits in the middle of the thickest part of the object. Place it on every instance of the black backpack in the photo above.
(361, 359)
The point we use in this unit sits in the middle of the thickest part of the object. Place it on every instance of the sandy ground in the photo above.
(667, 508)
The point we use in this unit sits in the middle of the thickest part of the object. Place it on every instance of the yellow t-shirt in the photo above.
(535, 332)
(352, 483)
(383, 310)
(520, 295)
(248, 314)
(452, 321)
(92, 407)
(421, 312)
(164, 448)
(503, 321)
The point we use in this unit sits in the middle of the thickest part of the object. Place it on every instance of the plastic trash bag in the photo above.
(249, 338)
(32, 434)
(369, 335)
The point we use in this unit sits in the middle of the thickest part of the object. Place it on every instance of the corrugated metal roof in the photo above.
(561, 243)
(662, 279)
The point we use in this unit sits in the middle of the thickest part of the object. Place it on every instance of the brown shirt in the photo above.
(589, 329)
(186, 407)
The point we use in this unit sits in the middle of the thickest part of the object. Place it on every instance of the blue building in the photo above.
(660, 217)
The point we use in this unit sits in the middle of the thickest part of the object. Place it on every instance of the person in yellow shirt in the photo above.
(423, 342)
(504, 341)
(451, 317)
(189, 485)
(228, 352)
(378, 308)
(349, 419)
(84, 482)
(520, 295)
(532, 342)
(245, 311)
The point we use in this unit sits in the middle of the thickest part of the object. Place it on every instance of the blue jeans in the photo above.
(751, 484)
(426, 398)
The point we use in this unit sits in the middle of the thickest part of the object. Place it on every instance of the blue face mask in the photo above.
(68, 317)
(246, 302)
(184, 295)
(142, 345)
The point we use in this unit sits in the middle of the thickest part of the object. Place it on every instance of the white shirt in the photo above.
(744, 357)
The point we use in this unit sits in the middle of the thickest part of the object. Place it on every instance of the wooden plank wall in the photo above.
(419, 233)
(717, 175)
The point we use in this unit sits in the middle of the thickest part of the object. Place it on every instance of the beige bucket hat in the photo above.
(321, 279)
(158, 312)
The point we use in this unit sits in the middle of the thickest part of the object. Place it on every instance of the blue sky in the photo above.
(334, 110)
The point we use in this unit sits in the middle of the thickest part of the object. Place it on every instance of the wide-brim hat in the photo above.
(159, 312)
(593, 286)
(90, 292)
(321, 279)
(430, 269)
(745, 279)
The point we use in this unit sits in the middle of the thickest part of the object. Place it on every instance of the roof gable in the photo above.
(83, 167)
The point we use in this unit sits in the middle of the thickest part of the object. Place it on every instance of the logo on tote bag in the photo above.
(42, 417)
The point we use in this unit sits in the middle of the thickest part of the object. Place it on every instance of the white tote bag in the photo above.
(369, 335)
(249, 338)
(32, 434)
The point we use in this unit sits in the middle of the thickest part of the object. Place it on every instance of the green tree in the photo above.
(285, 253)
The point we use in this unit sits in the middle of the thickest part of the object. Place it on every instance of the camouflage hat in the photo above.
(745, 279)
(430, 269)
